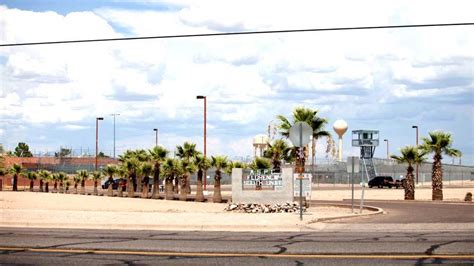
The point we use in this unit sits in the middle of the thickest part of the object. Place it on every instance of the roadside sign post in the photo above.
(300, 135)
(352, 167)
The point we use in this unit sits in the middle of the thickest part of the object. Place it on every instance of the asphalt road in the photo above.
(59, 246)
(406, 212)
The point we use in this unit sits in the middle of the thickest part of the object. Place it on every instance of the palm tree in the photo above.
(410, 155)
(54, 177)
(44, 176)
(439, 143)
(278, 151)
(32, 177)
(171, 171)
(131, 165)
(47, 178)
(202, 164)
(122, 173)
(16, 170)
(187, 169)
(219, 162)
(145, 169)
(67, 184)
(61, 176)
(40, 177)
(96, 176)
(83, 175)
(317, 124)
(77, 180)
(110, 170)
(187, 152)
(260, 163)
(157, 155)
(308, 115)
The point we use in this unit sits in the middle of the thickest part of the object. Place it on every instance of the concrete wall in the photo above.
(262, 196)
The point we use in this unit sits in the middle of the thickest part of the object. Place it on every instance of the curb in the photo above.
(376, 211)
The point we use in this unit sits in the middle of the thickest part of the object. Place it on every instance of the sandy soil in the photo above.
(32, 209)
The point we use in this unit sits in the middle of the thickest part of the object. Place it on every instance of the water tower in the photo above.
(340, 127)
(260, 142)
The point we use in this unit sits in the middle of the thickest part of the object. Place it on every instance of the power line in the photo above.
(241, 33)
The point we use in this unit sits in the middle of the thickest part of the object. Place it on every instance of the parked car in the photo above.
(385, 181)
(115, 184)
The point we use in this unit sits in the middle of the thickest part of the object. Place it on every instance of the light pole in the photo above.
(97, 138)
(114, 115)
(388, 155)
(205, 111)
(416, 147)
(156, 136)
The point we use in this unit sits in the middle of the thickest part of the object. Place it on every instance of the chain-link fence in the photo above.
(331, 172)
(324, 171)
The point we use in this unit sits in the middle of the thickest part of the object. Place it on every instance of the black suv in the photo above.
(384, 181)
(115, 184)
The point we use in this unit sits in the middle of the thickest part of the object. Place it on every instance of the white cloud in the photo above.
(247, 79)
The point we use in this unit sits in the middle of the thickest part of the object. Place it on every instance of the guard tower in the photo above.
(367, 140)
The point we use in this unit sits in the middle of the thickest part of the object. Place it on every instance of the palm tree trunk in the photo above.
(41, 185)
(15, 182)
(437, 178)
(61, 187)
(199, 189)
(110, 189)
(176, 185)
(119, 189)
(188, 184)
(410, 184)
(145, 191)
(156, 182)
(130, 187)
(83, 187)
(55, 187)
(139, 183)
(75, 188)
(313, 154)
(169, 189)
(183, 192)
(32, 183)
(96, 192)
(46, 187)
(217, 197)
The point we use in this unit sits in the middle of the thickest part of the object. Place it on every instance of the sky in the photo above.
(386, 80)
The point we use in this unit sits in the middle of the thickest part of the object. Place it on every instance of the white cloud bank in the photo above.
(363, 76)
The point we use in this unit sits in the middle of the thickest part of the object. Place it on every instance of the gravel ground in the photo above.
(33, 209)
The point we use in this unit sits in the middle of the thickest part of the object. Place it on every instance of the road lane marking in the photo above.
(206, 254)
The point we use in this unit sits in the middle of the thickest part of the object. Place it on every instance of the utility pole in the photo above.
(114, 115)
(97, 139)
(417, 165)
(156, 136)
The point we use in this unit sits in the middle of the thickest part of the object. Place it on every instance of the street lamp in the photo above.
(114, 115)
(205, 111)
(417, 147)
(97, 138)
(156, 137)
(388, 156)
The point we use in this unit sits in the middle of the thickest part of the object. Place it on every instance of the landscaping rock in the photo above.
(288, 207)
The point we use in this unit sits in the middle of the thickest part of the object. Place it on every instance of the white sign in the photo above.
(306, 185)
(349, 164)
(300, 134)
(264, 179)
